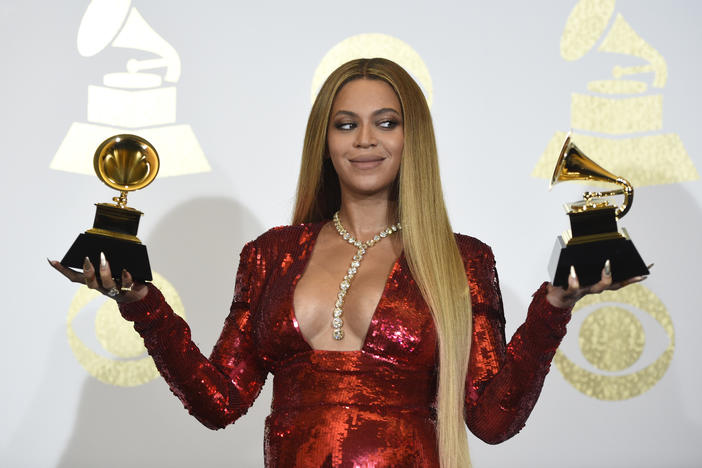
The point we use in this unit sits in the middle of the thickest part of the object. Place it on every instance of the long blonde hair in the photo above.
(428, 241)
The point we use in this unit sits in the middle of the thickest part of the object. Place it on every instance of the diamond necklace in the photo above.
(337, 321)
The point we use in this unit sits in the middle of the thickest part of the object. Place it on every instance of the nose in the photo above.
(365, 136)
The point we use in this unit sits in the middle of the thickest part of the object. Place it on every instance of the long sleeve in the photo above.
(505, 380)
(218, 390)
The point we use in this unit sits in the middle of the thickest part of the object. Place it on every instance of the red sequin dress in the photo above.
(367, 408)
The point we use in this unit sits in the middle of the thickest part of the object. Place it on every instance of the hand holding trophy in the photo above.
(125, 163)
(594, 237)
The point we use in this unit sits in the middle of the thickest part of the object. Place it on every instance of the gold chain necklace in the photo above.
(337, 321)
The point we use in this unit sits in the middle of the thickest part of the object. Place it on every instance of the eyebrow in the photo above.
(379, 111)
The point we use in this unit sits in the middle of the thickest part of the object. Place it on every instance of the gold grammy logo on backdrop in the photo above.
(623, 133)
(371, 46)
(128, 364)
(138, 100)
(612, 339)
(623, 120)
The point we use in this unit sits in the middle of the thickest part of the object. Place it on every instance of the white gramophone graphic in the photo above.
(138, 100)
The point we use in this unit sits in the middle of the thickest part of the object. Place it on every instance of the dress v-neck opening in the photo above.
(300, 273)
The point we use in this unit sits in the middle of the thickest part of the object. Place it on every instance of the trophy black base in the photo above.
(121, 254)
(589, 258)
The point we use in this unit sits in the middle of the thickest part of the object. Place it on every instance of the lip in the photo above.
(366, 162)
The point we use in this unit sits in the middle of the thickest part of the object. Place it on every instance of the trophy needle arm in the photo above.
(627, 190)
(122, 199)
(628, 198)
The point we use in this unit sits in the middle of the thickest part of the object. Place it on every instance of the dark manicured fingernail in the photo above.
(608, 268)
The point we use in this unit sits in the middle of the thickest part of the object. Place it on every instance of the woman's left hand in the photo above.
(566, 298)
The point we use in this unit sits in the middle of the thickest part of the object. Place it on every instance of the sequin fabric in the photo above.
(368, 408)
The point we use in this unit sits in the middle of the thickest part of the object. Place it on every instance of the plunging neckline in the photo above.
(300, 273)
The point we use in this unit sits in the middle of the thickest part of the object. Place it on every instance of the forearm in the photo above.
(206, 390)
(497, 408)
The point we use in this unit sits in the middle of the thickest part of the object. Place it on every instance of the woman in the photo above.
(383, 349)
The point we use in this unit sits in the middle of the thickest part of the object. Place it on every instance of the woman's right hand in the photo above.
(130, 290)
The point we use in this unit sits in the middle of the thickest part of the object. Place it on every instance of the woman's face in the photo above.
(365, 137)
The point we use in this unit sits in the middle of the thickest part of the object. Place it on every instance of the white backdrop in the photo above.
(501, 91)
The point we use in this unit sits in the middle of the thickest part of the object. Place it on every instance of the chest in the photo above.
(319, 293)
(399, 327)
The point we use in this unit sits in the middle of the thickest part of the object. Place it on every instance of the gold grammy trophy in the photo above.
(125, 163)
(594, 237)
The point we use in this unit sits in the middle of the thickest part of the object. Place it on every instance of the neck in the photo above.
(364, 218)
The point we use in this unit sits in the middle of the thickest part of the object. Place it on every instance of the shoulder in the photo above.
(286, 234)
(472, 249)
(479, 263)
(284, 239)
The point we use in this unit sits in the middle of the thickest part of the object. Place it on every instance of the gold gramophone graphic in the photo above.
(373, 45)
(594, 237)
(618, 122)
(620, 119)
(125, 163)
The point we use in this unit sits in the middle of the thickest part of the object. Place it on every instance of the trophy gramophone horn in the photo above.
(573, 164)
(126, 163)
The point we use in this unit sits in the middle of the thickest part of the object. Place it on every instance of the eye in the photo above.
(345, 125)
(626, 341)
(388, 123)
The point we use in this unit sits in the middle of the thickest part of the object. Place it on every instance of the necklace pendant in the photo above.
(337, 321)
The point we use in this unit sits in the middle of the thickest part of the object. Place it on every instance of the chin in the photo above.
(370, 184)
(372, 190)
